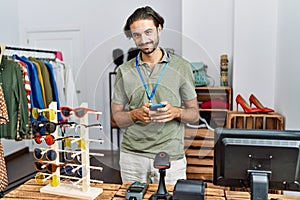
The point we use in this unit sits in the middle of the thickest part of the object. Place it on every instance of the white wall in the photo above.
(207, 30)
(9, 22)
(287, 92)
(254, 57)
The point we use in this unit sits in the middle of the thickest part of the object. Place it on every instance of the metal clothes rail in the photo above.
(30, 49)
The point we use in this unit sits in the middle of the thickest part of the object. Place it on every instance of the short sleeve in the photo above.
(119, 94)
(187, 89)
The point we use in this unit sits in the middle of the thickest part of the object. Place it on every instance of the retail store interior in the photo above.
(249, 48)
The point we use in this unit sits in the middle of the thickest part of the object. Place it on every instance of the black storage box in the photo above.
(189, 190)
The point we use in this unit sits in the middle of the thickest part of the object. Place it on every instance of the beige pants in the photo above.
(139, 168)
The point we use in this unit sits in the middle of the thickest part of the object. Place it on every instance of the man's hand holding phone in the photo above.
(156, 106)
(161, 112)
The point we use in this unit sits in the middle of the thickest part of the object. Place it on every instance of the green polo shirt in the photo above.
(175, 86)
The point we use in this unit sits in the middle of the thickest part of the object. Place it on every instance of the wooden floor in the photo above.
(20, 168)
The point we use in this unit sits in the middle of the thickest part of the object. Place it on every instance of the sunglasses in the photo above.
(50, 167)
(69, 153)
(40, 154)
(49, 114)
(75, 128)
(49, 139)
(40, 178)
(97, 125)
(71, 170)
(50, 127)
(68, 142)
(79, 112)
(75, 155)
(71, 156)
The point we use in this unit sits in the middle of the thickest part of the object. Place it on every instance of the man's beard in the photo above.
(148, 50)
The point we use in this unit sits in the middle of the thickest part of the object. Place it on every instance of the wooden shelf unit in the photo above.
(199, 143)
(218, 114)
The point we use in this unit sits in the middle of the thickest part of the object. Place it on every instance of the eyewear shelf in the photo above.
(80, 186)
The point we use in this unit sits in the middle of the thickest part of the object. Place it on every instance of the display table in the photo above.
(31, 190)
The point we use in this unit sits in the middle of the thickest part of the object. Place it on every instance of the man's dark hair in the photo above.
(143, 13)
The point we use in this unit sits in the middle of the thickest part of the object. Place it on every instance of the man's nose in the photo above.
(144, 38)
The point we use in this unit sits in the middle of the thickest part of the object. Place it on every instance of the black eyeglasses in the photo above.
(76, 127)
(50, 127)
(89, 125)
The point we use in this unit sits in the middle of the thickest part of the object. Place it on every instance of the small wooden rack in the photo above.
(272, 121)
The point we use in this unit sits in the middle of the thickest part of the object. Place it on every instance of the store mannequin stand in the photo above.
(162, 162)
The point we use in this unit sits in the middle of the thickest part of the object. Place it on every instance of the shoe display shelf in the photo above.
(241, 120)
(199, 142)
(77, 187)
(220, 102)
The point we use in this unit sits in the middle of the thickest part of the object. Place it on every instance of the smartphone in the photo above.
(155, 106)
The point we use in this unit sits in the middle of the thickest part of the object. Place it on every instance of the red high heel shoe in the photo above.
(247, 109)
(256, 102)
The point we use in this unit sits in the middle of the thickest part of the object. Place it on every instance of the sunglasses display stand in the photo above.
(82, 190)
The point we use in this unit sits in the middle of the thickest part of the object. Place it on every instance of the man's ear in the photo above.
(159, 29)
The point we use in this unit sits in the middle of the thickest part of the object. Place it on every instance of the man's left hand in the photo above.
(165, 114)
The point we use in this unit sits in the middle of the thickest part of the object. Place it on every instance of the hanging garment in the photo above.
(3, 110)
(54, 87)
(58, 70)
(40, 78)
(65, 82)
(26, 82)
(16, 100)
(36, 91)
(45, 78)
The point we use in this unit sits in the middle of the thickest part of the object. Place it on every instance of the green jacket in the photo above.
(16, 101)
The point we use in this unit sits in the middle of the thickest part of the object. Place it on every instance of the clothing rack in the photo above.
(56, 54)
(30, 49)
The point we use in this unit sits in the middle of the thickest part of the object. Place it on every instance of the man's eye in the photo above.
(136, 35)
(149, 32)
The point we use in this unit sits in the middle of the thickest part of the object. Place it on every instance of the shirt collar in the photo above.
(164, 59)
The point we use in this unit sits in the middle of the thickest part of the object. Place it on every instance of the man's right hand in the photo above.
(141, 114)
(124, 119)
